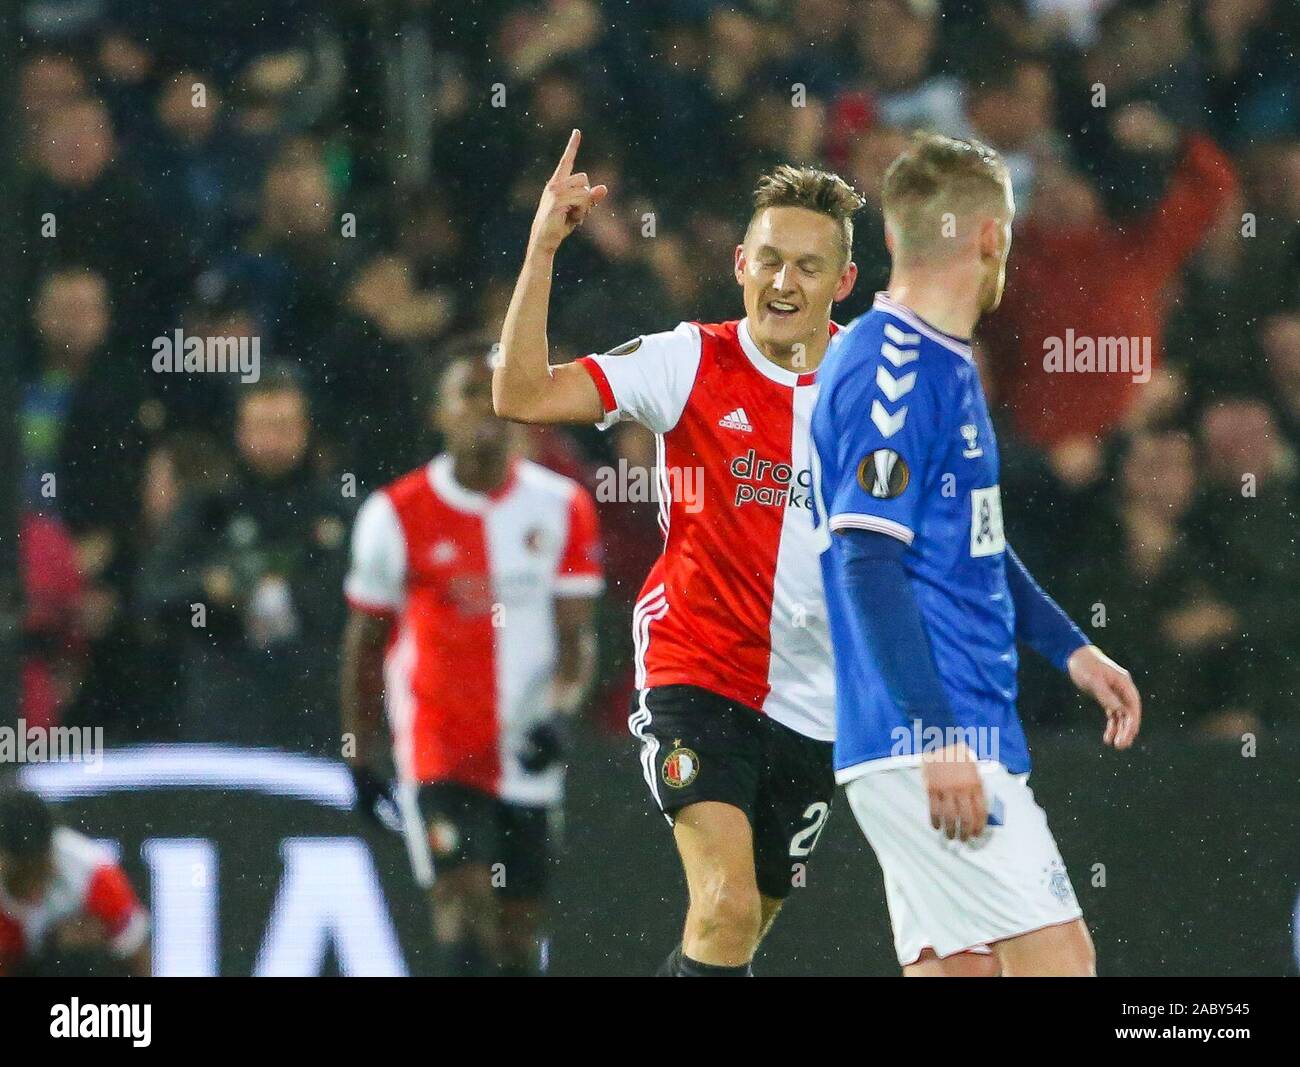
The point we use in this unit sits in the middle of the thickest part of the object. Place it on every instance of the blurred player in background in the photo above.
(471, 595)
(927, 600)
(66, 908)
(734, 698)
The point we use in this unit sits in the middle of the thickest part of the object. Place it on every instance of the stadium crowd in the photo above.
(350, 186)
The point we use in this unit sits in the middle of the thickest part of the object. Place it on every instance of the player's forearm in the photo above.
(575, 667)
(1040, 622)
(361, 692)
(522, 375)
(886, 610)
(574, 676)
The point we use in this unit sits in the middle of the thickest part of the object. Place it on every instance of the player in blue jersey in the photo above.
(927, 600)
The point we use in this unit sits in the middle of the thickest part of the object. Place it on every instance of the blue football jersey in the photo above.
(903, 446)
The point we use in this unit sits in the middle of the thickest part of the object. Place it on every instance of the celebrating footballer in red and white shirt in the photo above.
(471, 593)
(735, 702)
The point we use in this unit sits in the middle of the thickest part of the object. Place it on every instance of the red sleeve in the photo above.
(53, 580)
(110, 898)
(580, 571)
(11, 944)
(601, 381)
(1200, 187)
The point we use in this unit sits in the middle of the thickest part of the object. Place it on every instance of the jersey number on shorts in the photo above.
(805, 840)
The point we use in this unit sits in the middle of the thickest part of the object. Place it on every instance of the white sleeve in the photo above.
(132, 935)
(376, 578)
(648, 379)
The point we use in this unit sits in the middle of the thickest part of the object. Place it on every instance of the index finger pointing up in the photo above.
(565, 166)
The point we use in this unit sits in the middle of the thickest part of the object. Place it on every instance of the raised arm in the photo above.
(525, 387)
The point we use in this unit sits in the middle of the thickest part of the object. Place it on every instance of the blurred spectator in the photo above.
(389, 321)
(871, 153)
(296, 260)
(1244, 525)
(1280, 338)
(1010, 106)
(1147, 51)
(85, 206)
(1078, 275)
(53, 643)
(82, 443)
(218, 306)
(191, 162)
(1250, 61)
(181, 466)
(49, 82)
(72, 321)
(898, 43)
(250, 573)
(1145, 587)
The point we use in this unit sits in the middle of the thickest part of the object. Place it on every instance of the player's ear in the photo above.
(990, 239)
(740, 264)
(847, 280)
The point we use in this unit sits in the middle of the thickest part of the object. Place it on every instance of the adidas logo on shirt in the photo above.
(736, 420)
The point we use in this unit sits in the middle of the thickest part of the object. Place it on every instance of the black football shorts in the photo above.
(456, 824)
(697, 746)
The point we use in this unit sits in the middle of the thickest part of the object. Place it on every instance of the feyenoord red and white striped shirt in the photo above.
(471, 580)
(87, 884)
(734, 604)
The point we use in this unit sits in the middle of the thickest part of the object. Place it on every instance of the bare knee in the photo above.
(724, 918)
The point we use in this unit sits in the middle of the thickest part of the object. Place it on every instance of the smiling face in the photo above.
(793, 266)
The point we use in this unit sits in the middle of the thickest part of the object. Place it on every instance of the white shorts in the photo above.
(951, 896)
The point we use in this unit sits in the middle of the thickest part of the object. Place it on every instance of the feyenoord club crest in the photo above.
(443, 837)
(681, 765)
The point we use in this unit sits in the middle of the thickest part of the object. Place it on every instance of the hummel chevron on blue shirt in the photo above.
(904, 447)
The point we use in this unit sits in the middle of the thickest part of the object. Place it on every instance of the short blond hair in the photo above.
(936, 182)
(814, 190)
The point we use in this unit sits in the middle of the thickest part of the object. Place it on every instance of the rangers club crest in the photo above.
(1058, 882)
(681, 765)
